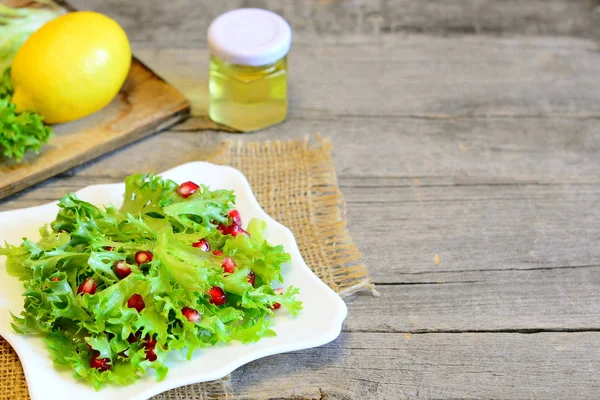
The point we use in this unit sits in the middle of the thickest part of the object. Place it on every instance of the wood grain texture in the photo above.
(467, 147)
(183, 23)
(431, 366)
(419, 76)
(564, 299)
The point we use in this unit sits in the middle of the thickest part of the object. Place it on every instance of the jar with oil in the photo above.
(248, 69)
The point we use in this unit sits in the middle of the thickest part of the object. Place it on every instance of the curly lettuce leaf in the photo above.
(20, 133)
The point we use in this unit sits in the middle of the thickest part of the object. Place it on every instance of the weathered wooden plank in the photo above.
(184, 22)
(450, 151)
(419, 76)
(471, 228)
(526, 300)
(431, 366)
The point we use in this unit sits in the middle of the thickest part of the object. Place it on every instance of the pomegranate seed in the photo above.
(217, 296)
(149, 343)
(224, 229)
(218, 253)
(228, 265)
(136, 301)
(187, 189)
(277, 305)
(122, 270)
(109, 248)
(54, 279)
(251, 277)
(202, 244)
(235, 217)
(149, 346)
(102, 364)
(235, 230)
(143, 257)
(87, 286)
(191, 314)
(151, 356)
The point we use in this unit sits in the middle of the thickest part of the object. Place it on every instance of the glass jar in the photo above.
(248, 69)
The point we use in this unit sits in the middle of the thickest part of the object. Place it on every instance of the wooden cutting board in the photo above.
(145, 105)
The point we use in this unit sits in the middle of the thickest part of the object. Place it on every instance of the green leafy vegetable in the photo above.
(19, 133)
(97, 333)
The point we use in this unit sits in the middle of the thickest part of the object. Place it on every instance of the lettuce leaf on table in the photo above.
(86, 241)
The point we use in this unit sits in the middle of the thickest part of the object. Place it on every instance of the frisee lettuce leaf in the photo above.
(19, 133)
(86, 241)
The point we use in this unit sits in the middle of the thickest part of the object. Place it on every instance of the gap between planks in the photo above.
(522, 331)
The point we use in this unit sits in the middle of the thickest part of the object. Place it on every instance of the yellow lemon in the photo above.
(71, 67)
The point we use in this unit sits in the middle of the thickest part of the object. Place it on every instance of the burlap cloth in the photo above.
(295, 183)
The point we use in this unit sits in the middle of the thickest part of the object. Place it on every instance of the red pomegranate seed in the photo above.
(202, 244)
(149, 346)
(143, 257)
(136, 301)
(218, 253)
(87, 286)
(121, 269)
(235, 230)
(151, 356)
(102, 364)
(228, 265)
(191, 314)
(54, 279)
(235, 217)
(109, 248)
(224, 229)
(251, 277)
(217, 296)
(276, 305)
(187, 189)
(149, 343)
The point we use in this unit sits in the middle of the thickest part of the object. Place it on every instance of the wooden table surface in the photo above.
(467, 143)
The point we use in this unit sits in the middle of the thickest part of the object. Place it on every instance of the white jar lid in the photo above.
(249, 36)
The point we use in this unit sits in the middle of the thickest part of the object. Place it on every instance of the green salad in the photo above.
(113, 291)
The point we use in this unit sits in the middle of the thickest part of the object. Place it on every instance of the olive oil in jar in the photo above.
(248, 69)
(247, 98)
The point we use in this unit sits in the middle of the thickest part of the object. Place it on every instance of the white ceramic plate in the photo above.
(319, 323)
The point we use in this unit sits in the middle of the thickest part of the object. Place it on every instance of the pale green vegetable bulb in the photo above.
(17, 24)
